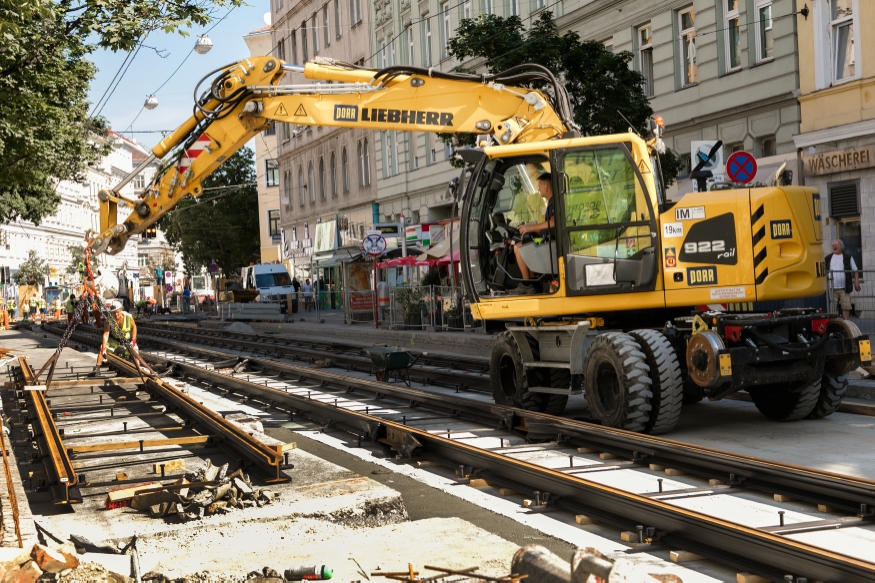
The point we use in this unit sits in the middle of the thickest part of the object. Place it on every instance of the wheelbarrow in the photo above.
(392, 361)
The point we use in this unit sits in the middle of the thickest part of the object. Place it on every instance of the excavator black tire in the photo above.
(668, 385)
(832, 391)
(617, 382)
(786, 401)
(510, 381)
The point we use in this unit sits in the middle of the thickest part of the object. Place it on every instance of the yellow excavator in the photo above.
(603, 285)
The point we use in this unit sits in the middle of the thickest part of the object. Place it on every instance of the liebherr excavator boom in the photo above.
(615, 295)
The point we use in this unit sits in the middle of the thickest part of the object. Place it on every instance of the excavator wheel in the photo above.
(617, 382)
(665, 374)
(510, 382)
(832, 391)
(786, 401)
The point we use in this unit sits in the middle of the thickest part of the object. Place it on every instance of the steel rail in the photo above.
(754, 549)
(460, 377)
(267, 457)
(13, 500)
(61, 477)
(803, 483)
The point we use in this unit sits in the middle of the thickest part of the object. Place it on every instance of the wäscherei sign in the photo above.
(838, 161)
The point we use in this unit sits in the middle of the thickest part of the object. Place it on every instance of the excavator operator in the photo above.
(126, 326)
(545, 188)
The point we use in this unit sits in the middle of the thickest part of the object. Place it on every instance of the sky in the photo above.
(148, 71)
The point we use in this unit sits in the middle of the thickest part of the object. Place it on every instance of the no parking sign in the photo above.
(741, 167)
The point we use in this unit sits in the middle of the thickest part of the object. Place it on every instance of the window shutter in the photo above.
(843, 200)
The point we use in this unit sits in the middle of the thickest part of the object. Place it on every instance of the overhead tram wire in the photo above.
(131, 62)
(122, 66)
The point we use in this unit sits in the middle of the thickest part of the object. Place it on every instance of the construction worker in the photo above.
(71, 308)
(56, 307)
(126, 327)
(42, 309)
(11, 307)
(4, 315)
(33, 303)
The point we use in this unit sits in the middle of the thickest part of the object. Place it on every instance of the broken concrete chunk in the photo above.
(203, 498)
(222, 490)
(223, 471)
(49, 560)
(69, 552)
(242, 486)
(210, 472)
(29, 572)
(216, 506)
(143, 502)
(182, 491)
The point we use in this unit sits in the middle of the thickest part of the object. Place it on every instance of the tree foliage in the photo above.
(606, 94)
(32, 271)
(223, 225)
(46, 133)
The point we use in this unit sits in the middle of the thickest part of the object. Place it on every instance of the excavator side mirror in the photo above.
(470, 156)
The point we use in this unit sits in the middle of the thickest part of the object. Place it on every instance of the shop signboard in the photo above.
(358, 277)
(838, 161)
(388, 229)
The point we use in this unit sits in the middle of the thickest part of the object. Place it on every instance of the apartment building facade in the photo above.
(714, 69)
(836, 142)
(326, 175)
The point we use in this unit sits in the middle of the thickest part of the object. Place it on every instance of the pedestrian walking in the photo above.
(186, 300)
(308, 295)
(842, 265)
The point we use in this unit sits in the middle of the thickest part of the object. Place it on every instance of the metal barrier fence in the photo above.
(412, 308)
(862, 310)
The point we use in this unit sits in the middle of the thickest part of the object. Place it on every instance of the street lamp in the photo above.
(203, 44)
(151, 102)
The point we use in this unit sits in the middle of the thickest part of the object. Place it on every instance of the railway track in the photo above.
(497, 445)
(457, 372)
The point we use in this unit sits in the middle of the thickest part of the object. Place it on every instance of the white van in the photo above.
(271, 280)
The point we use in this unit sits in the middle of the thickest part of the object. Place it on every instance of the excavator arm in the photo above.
(246, 97)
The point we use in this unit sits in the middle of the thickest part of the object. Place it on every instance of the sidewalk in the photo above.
(333, 327)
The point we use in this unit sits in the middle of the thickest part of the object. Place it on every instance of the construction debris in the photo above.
(30, 566)
(207, 491)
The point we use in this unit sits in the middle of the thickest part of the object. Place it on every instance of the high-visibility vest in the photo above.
(10, 304)
(127, 328)
(70, 307)
(42, 304)
(33, 302)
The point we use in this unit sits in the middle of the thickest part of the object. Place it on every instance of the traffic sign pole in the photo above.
(376, 300)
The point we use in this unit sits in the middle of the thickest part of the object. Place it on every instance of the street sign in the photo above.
(169, 288)
(213, 268)
(374, 244)
(741, 167)
(168, 276)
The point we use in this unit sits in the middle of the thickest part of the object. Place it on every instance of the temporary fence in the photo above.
(862, 311)
(412, 308)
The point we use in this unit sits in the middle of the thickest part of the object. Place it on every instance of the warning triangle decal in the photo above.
(281, 110)
(642, 167)
(300, 111)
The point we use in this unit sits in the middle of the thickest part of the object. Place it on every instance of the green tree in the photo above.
(46, 133)
(604, 90)
(33, 271)
(77, 256)
(222, 226)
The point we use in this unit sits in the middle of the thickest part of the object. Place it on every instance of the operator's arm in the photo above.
(134, 335)
(536, 227)
(101, 355)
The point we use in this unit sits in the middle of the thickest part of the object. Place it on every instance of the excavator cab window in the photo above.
(609, 222)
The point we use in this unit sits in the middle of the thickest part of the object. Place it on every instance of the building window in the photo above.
(384, 56)
(689, 70)
(733, 148)
(270, 131)
(426, 40)
(293, 47)
(344, 170)
(841, 26)
(364, 163)
(764, 30)
(355, 11)
(446, 30)
(326, 29)
(412, 163)
(281, 49)
(273, 222)
(332, 170)
(466, 10)
(271, 173)
(410, 45)
(645, 57)
(287, 134)
(537, 5)
(321, 179)
(768, 146)
(337, 29)
(430, 157)
(844, 208)
(139, 182)
(486, 6)
(514, 7)
(732, 36)
(302, 189)
(287, 188)
(315, 33)
(279, 4)
(304, 40)
(311, 182)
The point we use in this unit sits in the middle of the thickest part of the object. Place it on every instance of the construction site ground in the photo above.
(357, 510)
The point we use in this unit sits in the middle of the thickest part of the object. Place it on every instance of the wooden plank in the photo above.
(683, 556)
(674, 472)
(95, 382)
(288, 446)
(127, 493)
(169, 466)
(193, 440)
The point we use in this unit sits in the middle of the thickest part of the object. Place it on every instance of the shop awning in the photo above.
(336, 257)
(442, 248)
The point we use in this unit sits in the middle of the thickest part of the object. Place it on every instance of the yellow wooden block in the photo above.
(683, 556)
(121, 477)
(825, 508)
(712, 482)
(478, 483)
(288, 446)
(782, 498)
(674, 472)
(748, 578)
(656, 467)
(584, 519)
(169, 466)
(426, 464)
(629, 536)
(507, 492)
(607, 456)
(586, 450)
(528, 503)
